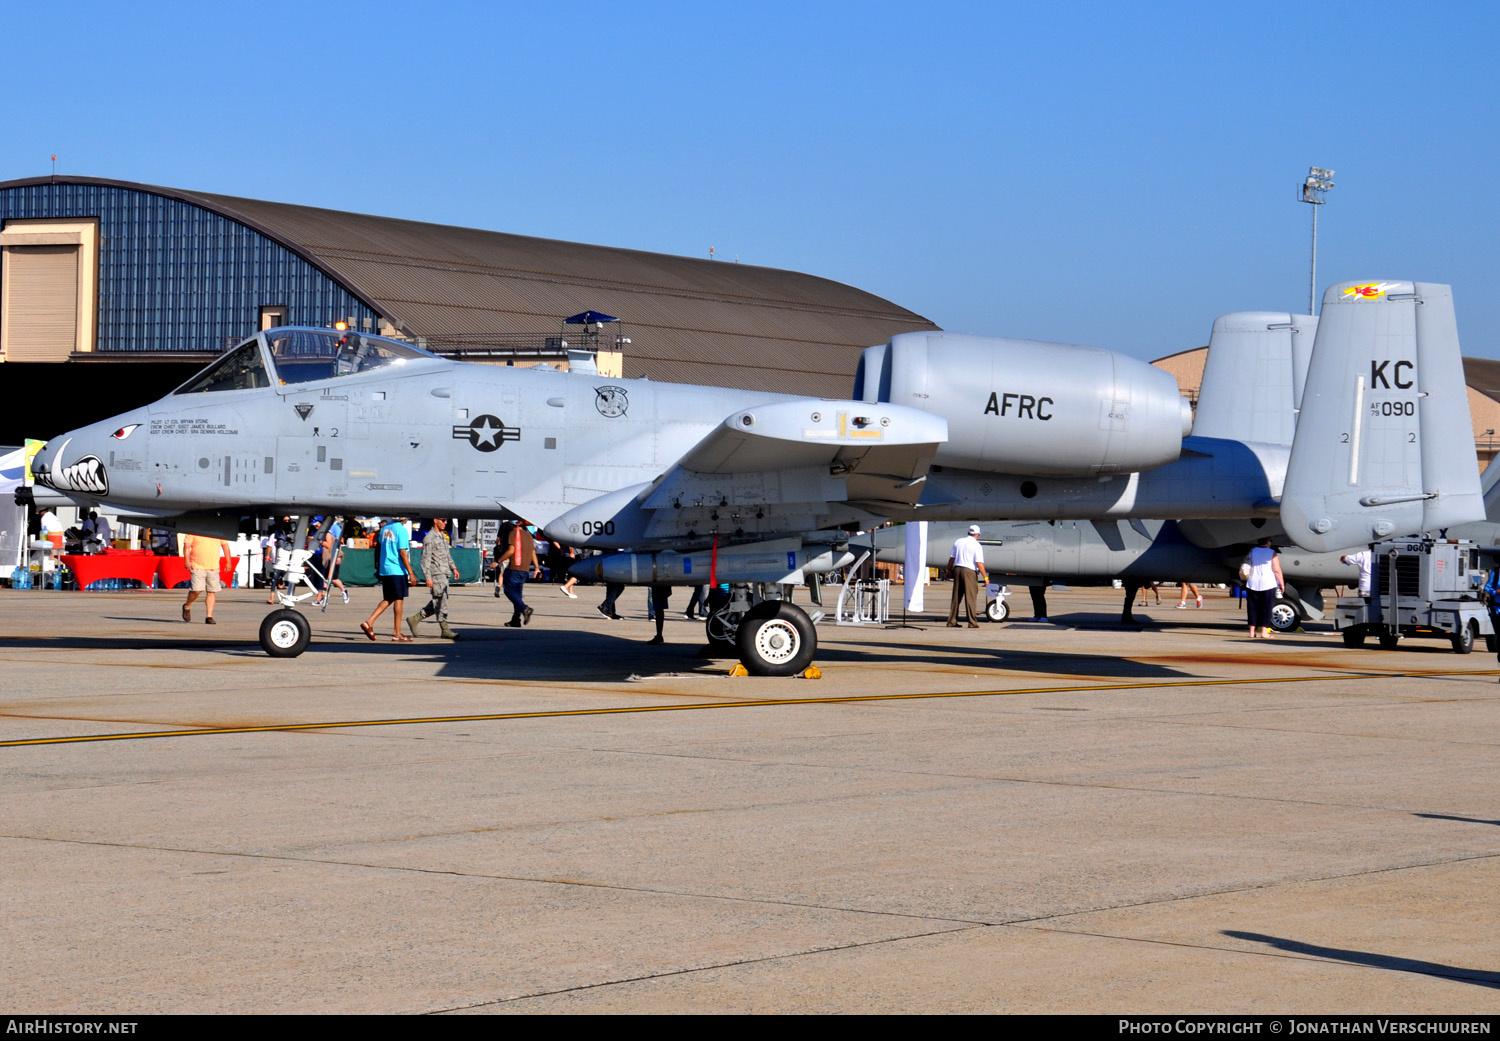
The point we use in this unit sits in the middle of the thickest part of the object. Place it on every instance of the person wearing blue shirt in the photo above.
(1491, 597)
(330, 551)
(393, 557)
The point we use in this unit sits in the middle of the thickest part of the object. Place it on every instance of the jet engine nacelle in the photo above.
(1023, 406)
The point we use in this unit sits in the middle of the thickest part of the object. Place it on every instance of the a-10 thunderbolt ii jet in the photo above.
(302, 420)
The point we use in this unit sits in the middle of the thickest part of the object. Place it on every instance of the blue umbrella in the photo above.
(589, 318)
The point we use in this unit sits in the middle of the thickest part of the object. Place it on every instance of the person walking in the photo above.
(661, 592)
(1182, 595)
(521, 564)
(393, 556)
(1039, 600)
(331, 550)
(1490, 595)
(966, 562)
(566, 557)
(1262, 587)
(497, 559)
(612, 591)
(202, 555)
(437, 561)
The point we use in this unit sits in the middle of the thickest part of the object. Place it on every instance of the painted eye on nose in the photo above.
(124, 432)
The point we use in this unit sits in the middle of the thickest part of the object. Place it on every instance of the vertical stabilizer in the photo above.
(1383, 439)
(1254, 376)
(1489, 485)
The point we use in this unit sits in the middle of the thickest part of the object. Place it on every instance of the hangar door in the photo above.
(46, 291)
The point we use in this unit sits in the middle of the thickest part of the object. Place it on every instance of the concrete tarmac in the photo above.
(1067, 817)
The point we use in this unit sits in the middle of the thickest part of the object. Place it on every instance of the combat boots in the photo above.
(412, 621)
(445, 632)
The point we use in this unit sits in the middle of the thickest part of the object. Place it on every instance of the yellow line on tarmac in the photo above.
(766, 703)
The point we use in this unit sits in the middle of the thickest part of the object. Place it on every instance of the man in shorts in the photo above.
(202, 555)
(392, 553)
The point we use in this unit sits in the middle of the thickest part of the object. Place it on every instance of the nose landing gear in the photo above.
(285, 633)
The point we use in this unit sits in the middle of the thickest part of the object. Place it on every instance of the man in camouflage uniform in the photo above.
(437, 562)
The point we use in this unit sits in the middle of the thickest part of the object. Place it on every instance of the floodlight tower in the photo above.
(1314, 188)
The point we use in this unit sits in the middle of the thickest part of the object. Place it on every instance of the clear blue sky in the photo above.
(1114, 174)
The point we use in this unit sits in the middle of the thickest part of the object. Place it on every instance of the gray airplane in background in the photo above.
(709, 485)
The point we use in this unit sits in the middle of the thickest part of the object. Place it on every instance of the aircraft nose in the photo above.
(73, 463)
(45, 462)
(46, 454)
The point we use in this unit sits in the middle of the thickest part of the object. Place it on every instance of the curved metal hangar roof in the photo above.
(689, 320)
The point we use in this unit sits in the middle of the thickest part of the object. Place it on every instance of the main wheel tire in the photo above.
(1388, 640)
(776, 639)
(285, 633)
(716, 630)
(1354, 636)
(1463, 640)
(1284, 616)
(997, 610)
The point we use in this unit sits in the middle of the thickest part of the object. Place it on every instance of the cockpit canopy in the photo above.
(288, 355)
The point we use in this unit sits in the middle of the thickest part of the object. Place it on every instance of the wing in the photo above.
(784, 466)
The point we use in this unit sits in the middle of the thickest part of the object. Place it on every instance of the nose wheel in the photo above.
(285, 633)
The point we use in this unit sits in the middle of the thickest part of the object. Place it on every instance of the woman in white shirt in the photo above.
(1261, 588)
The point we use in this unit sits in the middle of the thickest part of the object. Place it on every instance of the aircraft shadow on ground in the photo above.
(1477, 977)
(491, 651)
(537, 652)
(999, 658)
(1461, 820)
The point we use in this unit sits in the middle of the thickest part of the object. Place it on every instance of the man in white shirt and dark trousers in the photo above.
(967, 565)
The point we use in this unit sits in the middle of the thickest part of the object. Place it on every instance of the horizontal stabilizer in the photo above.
(1382, 443)
(1254, 376)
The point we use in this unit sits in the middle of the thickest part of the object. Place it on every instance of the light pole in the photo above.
(1314, 188)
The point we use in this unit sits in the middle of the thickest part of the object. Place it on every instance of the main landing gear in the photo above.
(769, 635)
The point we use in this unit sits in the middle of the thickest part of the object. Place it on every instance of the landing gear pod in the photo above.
(776, 638)
(1284, 616)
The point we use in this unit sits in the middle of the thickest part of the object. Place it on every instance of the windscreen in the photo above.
(240, 369)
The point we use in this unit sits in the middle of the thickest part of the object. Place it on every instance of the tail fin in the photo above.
(1489, 484)
(1382, 444)
(1253, 379)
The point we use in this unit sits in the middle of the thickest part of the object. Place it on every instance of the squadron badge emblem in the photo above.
(611, 401)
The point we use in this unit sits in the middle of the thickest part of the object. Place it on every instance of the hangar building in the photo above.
(95, 271)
